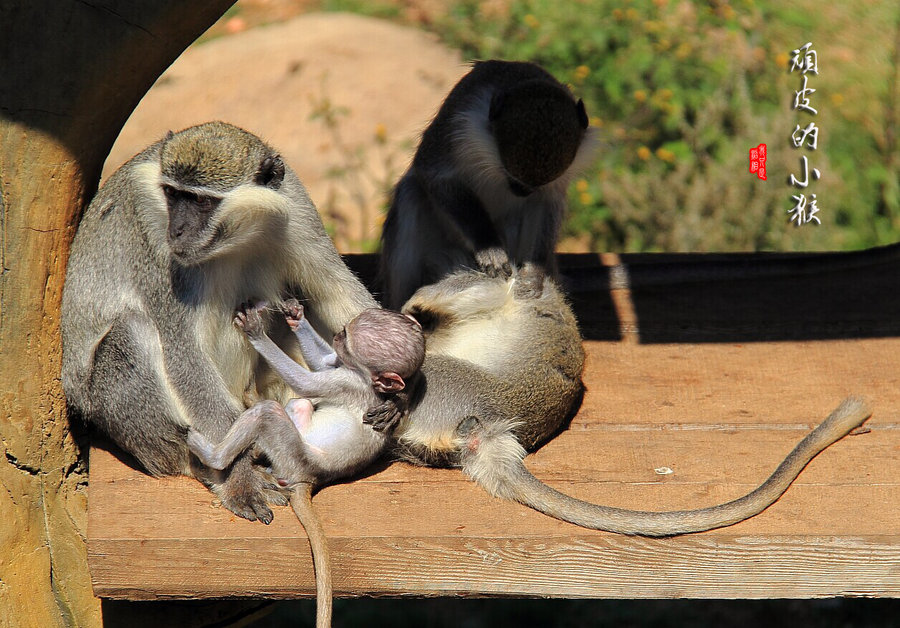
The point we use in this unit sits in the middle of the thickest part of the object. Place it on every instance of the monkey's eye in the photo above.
(205, 203)
(170, 192)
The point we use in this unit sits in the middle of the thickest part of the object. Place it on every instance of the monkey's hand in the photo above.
(293, 313)
(529, 282)
(249, 320)
(387, 415)
(494, 262)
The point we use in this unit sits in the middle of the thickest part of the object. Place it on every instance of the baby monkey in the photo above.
(321, 436)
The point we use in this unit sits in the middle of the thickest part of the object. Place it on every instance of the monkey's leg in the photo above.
(132, 396)
(266, 426)
(539, 231)
(402, 258)
(129, 396)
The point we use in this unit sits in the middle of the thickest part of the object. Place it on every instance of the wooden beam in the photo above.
(718, 415)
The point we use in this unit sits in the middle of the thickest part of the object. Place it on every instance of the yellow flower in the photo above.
(585, 198)
(644, 153)
(837, 98)
(631, 14)
(581, 185)
(665, 93)
(781, 60)
(683, 51)
(640, 95)
(617, 13)
(665, 154)
(596, 121)
(581, 72)
(531, 21)
(380, 133)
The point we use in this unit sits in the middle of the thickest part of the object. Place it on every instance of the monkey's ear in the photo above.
(582, 114)
(388, 382)
(271, 172)
(170, 134)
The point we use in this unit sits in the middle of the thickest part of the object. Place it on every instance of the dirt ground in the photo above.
(375, 85)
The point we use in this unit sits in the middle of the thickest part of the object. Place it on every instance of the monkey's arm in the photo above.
(318, 354)
(303, 382)
(465, 217)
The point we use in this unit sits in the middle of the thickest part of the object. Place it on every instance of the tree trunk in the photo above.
(72, 72)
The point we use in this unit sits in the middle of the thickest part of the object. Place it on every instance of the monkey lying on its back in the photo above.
(376, 354)
(502, 371)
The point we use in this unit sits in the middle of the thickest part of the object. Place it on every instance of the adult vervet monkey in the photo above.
(503, 370)
(487, 185)
(173, 243)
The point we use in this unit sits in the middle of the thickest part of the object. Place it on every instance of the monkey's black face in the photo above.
(538, 128)
(190, 236)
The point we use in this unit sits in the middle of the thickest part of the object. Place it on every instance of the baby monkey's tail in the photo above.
(301, 502)
(492, 456)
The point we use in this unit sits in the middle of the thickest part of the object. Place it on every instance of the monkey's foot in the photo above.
(387, 415)
(249, 319)
(246, 492)
(293, 313)
(494, 262)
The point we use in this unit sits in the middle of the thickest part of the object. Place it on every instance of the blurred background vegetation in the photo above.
(681, 90)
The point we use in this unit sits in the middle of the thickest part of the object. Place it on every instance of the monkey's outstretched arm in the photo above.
(301, 381)
(318, 354)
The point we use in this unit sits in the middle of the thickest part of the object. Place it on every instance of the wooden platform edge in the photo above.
(567, 567)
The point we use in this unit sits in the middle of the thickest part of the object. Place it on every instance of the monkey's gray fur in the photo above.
(503, 370)
(487, 185)
(179, 236)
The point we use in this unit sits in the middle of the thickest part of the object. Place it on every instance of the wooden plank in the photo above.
(407, 530)
(720, 415)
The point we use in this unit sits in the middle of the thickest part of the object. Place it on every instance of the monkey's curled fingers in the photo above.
(293, 313)
(245, 491)
(529, 283)
(387, 415)
(494, 262)
(249, 320)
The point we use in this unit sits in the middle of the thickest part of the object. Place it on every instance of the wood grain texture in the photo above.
(719, 415)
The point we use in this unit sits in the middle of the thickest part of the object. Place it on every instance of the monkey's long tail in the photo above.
(301, 502)
(493, 458)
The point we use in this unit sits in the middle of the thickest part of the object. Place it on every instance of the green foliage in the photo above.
(680, 91)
